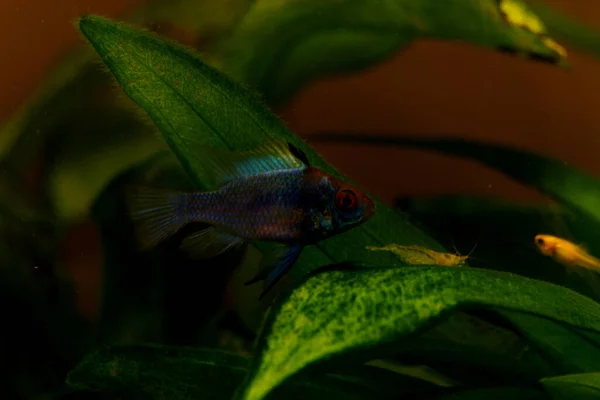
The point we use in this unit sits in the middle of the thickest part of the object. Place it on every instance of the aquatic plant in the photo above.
(349, 322)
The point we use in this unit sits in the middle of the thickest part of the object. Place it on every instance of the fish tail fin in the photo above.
(154, 213)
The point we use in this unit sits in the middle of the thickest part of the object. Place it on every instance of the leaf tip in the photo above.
(85, 20)
(88, 24)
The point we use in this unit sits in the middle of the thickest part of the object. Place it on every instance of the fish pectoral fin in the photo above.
(275, 267)
(153, 213)
(209, 243)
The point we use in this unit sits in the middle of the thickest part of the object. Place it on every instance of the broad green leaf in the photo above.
(422, 372)
(577, 386)
(564, 347)
(471, 365)
(568, 185)
(195, 105)
(177, 373)
(570, 30)
(278, 47)
(474, 351)
(470, 350)
(344, 314)
(497, 393)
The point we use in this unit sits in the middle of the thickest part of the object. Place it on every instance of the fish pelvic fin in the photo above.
(209, 243)
(276, 266)
(156, 214)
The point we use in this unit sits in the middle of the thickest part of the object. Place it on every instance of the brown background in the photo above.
(433, 87)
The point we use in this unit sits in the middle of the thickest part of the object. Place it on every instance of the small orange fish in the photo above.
(566, 253)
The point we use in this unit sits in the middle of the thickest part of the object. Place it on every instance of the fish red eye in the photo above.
(346, 200)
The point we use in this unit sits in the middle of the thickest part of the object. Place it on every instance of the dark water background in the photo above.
(433, 88)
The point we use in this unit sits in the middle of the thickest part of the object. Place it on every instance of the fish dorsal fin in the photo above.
(274, 154)
(300, 155)
(225, 165)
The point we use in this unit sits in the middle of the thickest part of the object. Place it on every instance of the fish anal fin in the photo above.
(275, 266)
(154, 214)
(209, 243)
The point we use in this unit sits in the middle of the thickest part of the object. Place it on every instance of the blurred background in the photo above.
(433, 88)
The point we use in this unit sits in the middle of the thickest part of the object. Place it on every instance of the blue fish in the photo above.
(270, 193)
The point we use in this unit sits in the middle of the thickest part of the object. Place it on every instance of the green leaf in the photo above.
(471, 365)
(572, 31)
(566, 349)
(568, 185)
(475, 352)
(195, 105)
(344, 314)
(497, 393)
(177, 373)
(278, 47)
(579, 386)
